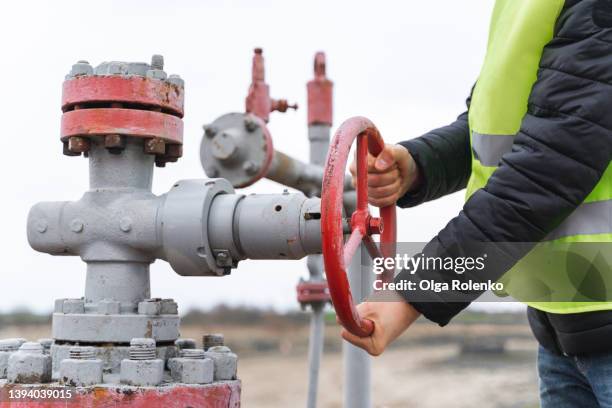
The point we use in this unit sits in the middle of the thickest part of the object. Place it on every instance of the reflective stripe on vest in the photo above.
(489, 149)
(588, 219)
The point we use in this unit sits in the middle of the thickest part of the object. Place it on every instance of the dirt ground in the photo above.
(426, 369)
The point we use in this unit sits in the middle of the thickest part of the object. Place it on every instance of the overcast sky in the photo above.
(407, 65)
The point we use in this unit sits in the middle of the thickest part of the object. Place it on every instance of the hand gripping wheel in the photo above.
(337, 254)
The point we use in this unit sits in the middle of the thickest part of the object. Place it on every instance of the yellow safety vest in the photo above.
(566, 273)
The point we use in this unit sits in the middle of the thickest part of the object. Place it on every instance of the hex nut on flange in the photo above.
(192, 367)
(226, 362)
(29, 365)
(7, 347)
(109, 307)
(169, 306)
(82, 368)
(73, 306)
(149, 307)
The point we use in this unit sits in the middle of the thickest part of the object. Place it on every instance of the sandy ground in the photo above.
(421, 377)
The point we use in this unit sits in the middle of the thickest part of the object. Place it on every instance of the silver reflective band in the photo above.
(489, 149)
(587, 219)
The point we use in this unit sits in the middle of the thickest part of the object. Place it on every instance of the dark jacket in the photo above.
(559, 155)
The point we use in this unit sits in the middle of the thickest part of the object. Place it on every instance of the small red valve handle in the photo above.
(336, 253)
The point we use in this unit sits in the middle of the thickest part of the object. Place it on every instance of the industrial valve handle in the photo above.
(337, 254)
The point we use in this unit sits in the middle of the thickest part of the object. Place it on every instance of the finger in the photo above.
(384, 191)
(383, 179)
(383, 202)
(385, 159)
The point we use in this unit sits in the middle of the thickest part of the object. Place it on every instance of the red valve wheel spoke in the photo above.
(336, 254)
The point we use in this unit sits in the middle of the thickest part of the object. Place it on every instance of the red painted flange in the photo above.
(336, 254)
(127, 122)
(133, 90)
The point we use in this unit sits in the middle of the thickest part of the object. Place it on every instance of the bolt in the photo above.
(174, 152)
(114, 143)
(82, 353)
(125, 224)
(183, 344)
(210, 130)
(250, 124)
(157, 61)
(250, 168)
(222, 258)
(142, 349)
(78, 144)
(46, 344)
(76, 226)
(41, 226)
(176, 80)
(9, 345)
(212, 340)
(193, 353)
(155, 145)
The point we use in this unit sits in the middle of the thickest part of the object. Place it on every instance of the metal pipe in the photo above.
(356, 362)
(317, 331)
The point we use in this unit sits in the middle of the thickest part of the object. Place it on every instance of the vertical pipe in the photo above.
(315, 345)
(319, 126)
(357, 363)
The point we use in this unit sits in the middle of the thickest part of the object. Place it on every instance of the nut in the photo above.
(250, 124)
(226, 362)
(109, 307)
(176, 80)
(192, 367)
(149, 307)
(156, 74)
(82, 67)
(250, 168)
(7, 347)
(169, 306)
(114, 143)
(185, 344)
(82, 368)
(73, 306)
(78, 144)
(155, 145)
(29, 365)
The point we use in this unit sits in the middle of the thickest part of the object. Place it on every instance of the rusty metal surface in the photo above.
(148, 92)
(320, 91)
(336, 254)
(126, 122)
(225, 394)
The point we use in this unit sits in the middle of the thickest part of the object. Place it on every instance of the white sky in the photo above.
(407, 65)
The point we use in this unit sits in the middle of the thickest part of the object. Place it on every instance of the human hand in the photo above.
(390, 320)
(390, 175)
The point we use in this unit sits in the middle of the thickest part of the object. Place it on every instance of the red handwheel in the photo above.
(337, 254)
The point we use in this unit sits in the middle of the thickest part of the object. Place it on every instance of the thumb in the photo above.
(385, 159)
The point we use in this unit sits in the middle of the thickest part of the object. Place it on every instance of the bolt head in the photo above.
(250, 168)
(210, 130)
(76, 226)
(41, 226)
(250, 124)
(125, 224)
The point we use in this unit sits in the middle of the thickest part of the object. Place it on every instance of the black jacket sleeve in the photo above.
(559, 155)
(443, 157)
